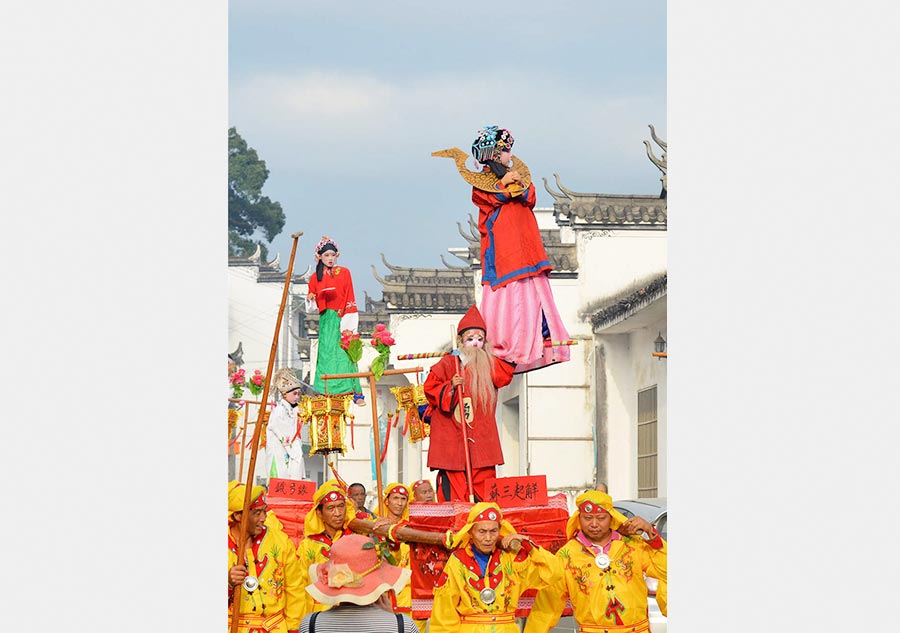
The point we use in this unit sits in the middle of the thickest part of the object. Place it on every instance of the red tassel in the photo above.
(387, 437)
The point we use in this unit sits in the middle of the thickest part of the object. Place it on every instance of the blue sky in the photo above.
(345, 101)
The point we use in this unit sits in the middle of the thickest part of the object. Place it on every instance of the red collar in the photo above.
(493, 571)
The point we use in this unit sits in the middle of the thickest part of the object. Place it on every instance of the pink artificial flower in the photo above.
(380, 327)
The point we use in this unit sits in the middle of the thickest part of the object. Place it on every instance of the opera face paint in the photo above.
(473, 338)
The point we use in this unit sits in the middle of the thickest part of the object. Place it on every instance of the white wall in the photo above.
(252, 313)
(609, 264)
(631, 367)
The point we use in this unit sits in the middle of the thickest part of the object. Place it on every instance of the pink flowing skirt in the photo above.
(513, 317)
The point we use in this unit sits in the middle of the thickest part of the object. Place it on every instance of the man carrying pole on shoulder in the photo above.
(273, 594)
(603, 571)
(331, 513)
(486, 574)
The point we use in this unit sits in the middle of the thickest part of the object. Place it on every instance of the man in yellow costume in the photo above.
(272, 592)
(603, 571)
(331, 513)
(396, 514)
(481, 583)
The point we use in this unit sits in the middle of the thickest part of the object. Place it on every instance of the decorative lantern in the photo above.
(660, 346)
(234, 416)
(327, 417)
(410, 398)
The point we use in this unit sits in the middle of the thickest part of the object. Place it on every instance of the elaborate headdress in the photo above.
(593, 502)
(285, 380)
(325, 244)
(490, 141)
(354, 573)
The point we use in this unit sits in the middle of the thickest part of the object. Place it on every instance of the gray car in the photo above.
(652, 510)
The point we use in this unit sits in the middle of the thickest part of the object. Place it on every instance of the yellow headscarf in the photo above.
(331, 490)
(396, 487)
(591, 500)
(236, 492)
(482, 511)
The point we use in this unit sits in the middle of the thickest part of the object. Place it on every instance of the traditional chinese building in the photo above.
(600, 417)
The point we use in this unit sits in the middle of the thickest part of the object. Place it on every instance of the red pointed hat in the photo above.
(472, 319)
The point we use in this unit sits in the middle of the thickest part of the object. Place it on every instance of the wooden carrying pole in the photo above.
(254, 448)
(374, 403)
(462, 422)
(406, 534)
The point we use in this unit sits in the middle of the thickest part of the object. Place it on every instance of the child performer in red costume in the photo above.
(517, 302)
(481, 374)
(331, 287)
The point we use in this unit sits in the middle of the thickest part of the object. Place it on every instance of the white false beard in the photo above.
(478, 363)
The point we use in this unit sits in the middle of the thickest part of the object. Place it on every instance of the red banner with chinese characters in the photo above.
(290, 500)
(545, 525)
(291, 488)
(517, 492)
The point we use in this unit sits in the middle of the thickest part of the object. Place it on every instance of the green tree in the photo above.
(250, 214)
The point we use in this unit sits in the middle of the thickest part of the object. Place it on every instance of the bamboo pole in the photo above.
(564, 343)
(240, 471)
(373, 395)
(254, 449)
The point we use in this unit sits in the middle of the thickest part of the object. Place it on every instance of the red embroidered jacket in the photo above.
(335, 291)
(511, 246)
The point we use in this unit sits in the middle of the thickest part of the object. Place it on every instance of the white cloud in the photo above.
(312, 118)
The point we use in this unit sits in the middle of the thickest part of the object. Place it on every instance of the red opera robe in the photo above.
(446, 447)
(511, 246)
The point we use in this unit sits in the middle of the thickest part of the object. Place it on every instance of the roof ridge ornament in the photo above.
(451, 266)
(662, 162)
(375, 272)
(473, 228)
(468, 238)
(274, 263)
(392, 268)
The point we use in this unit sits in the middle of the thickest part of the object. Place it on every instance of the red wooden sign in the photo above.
(516, 492)
(291, 489)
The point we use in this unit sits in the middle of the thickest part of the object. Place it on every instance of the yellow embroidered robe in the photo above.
(614, 598)
(315, 548)
(457, 605)
(276, 605)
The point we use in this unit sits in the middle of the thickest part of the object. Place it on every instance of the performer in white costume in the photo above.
(284, 440)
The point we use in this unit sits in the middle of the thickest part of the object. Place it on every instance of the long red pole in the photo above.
(465, 433)
(260, 424)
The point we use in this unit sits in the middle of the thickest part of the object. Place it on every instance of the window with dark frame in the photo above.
(647, 443)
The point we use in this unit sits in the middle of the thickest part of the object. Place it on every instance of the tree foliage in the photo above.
(252, 216)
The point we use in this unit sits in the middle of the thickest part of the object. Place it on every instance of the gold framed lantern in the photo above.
(409, 398)
(327, 417)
